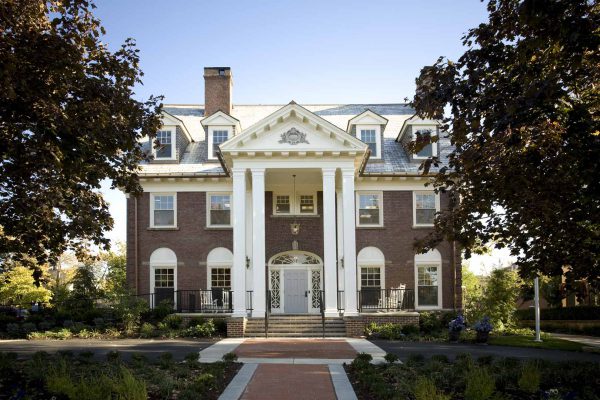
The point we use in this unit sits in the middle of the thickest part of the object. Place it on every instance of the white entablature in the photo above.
(292, 131)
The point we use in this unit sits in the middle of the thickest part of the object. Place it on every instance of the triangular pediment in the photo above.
(293, 130)
(168, 119)
(221, 119)
(367, 117)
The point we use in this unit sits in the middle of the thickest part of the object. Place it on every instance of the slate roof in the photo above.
(194, 160)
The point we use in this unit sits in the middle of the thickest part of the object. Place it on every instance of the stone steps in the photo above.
(295, 326)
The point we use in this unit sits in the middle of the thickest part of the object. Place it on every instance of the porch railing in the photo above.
(386, 299)
(215, 300)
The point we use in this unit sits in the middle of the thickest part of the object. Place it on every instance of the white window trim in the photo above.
(437, 206)
(208, 222)
(367, 265)
(377, 129)
(152, 195)
(153, 267)
(439, 277)
(211, 129)
(434, 147)
(295, 203)
(214, 265)
(357, 211)
(173, 132)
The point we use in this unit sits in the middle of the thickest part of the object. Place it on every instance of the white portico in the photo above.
(293, 141)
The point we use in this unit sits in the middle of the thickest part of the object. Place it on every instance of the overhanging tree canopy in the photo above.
(67, 121)
(522, 109)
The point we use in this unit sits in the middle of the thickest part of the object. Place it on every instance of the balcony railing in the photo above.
(215, 300)
(386, 300)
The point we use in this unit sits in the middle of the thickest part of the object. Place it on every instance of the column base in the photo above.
(258, 313)
(351, 314)
(332, 313)
(239, 314)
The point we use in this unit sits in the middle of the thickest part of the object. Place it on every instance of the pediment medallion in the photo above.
(293, 137)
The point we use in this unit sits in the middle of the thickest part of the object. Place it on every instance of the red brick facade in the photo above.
(192, 241)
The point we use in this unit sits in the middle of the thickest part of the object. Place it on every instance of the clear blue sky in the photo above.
(309, 51)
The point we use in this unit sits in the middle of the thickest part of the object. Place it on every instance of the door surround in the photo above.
(294, 260)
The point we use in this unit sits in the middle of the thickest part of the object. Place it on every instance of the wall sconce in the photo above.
(295, 228)
(247, 262)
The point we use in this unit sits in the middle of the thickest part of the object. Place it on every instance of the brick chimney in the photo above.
(218, 83)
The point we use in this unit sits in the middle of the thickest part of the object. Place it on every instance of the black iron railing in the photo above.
(322, 310)
(267, 312)
(375, 299)
(215, 300)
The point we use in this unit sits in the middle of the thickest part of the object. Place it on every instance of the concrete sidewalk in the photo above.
(592, 341)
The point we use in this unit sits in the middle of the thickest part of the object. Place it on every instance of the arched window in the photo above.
(371, 263)
(428, 279)
(163, 274)
(218, 268)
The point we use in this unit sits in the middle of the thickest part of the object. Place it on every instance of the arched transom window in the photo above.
(295, 258)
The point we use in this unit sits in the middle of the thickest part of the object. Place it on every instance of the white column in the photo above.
(329, 253)
(258, 242)
(350, 308)
(239, 242)
(340, 238)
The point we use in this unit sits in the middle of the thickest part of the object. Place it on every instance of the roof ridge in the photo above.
(302, 104)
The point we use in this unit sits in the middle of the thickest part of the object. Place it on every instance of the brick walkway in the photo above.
(294, 348)
(285, 381)
(295, 369)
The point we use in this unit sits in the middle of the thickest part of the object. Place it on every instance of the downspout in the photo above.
(136, 249)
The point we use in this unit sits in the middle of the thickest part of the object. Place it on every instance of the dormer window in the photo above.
(425, 134)
(218, 136)
(369, 136)
(166, 148)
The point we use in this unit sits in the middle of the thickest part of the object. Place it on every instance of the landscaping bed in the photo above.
(473, 379)
(81, 377)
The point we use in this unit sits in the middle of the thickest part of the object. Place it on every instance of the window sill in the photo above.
(370, 227)
(218, 228)
(294, 216)
(423, 226)
(161, 228)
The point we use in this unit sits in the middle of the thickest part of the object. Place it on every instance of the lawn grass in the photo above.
(527, 341)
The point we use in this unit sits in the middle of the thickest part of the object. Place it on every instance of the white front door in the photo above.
(295, 290)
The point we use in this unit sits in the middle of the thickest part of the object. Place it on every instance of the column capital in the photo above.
(328, 171)
(257, 171)
(347, 171)
(238, 170)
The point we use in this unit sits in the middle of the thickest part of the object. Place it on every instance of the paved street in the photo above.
(405, 349)
(151, 348)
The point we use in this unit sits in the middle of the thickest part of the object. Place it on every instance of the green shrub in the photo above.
(429, 322)
(205, 382)
(207, 329)
(28, 327)
(62, 334)
(192, 359)
(410, 329)
(166, 360)
(530, 378)
(147, 330)
(196, 321)
(425, 389)
(230, 357)
(480, 384)
(113, 356)
(130, 388)
(13, 330)
(391, 358)
(173, 321)
(163, 309)
(220, 326)
(138, 360)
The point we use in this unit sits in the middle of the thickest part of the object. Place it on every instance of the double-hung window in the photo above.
(369, 136)
(430, 149)
(163, 210)
(428, 285)
(307, 204)
(282, 204)
(165, 147)
(218, 137)
(370, 209)
(219, 209)
(426, 204)
(370, 277)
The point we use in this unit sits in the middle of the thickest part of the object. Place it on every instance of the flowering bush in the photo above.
(457, 324)
(483, 325)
